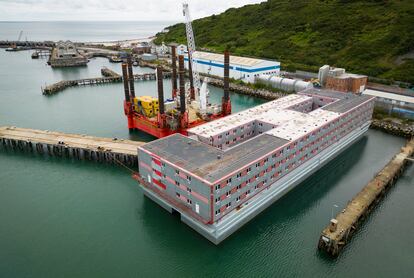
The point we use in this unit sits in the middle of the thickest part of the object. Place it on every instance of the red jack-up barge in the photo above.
(190, 108)
(186, 109)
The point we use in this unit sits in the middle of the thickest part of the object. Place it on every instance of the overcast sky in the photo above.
(148, 10)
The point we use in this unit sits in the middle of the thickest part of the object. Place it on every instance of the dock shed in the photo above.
(393, 103)
(241, 68)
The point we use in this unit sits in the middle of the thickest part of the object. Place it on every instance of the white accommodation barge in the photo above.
(227, 171)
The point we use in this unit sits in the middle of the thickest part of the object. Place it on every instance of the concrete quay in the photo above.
(75, 146)
(341, 228)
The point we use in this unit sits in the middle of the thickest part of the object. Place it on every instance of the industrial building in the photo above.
(227, 171)
(337, 79)
(402, 105)
(65, 54)
(241, 68)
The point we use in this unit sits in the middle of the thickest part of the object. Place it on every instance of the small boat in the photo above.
(35, 55)
(115, 59)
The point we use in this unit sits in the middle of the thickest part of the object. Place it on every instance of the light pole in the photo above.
(332, 210)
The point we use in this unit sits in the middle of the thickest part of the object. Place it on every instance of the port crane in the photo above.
(201, 91)
(13, 46)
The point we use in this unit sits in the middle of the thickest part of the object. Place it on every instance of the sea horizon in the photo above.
(81, 31)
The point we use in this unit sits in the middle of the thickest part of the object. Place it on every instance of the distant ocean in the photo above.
(80, 31)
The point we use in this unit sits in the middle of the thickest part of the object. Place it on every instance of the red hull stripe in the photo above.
(160, 184)
(156, 162)
(158, 173)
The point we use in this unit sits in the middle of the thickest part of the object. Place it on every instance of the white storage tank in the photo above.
(284, 84)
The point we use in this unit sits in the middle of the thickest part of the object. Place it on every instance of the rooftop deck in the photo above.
(208, 162)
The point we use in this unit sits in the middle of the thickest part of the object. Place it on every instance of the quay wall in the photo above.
(340, 230)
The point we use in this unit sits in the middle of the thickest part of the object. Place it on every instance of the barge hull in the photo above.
(219, 231)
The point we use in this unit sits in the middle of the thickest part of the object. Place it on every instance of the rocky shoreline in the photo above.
(394, 128)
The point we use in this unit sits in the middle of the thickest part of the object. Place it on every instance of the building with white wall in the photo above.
(393, 103)
(241, 68)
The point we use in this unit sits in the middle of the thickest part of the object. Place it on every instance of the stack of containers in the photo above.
(146, 105)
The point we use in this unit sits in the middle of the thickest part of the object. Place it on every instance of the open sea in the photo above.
(85, 31)
(64, 218)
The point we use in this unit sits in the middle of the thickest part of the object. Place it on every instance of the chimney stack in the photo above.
(226, 103)
(125, 79)
(174, 70)
(226, 75)
(182, 85)
(131, 79)
(190, 73)
(160, 89)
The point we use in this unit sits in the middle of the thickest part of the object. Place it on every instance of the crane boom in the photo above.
(191, 46)
(20, 36)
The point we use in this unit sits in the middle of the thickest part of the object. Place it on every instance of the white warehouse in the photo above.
(241, 68)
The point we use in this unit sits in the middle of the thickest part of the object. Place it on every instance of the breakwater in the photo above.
(394, 128)
(246, 90)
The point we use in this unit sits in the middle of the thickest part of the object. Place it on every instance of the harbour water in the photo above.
(62, 218)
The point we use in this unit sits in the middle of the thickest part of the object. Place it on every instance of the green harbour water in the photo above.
(63, 218)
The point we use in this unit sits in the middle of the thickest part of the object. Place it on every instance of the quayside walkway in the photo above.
(70, 145)
(340, 230)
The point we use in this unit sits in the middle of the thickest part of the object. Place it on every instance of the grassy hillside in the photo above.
(370, 37)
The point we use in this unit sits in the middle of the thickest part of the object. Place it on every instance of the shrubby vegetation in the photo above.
(364, 37)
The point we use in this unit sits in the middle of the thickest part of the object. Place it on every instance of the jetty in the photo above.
(340, 230)
(61, 85)
(80, 147)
